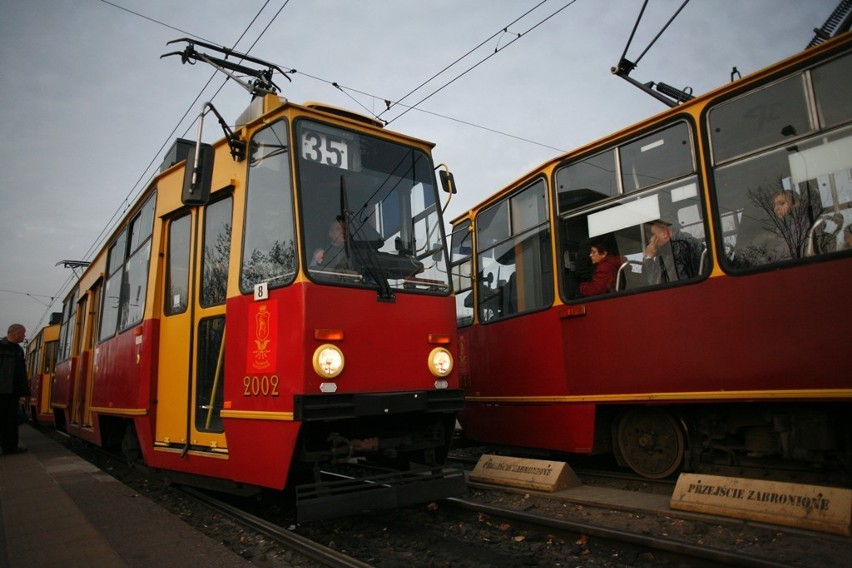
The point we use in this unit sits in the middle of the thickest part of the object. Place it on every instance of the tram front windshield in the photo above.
(369, 212)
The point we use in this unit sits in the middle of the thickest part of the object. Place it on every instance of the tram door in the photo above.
(48, 372)
(192, 329)
(84, 338)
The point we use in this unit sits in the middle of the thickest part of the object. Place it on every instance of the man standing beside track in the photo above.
(13, 385)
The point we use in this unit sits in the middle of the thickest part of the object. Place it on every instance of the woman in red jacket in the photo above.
(606, 269)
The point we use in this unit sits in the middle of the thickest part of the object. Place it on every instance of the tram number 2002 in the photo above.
(260, 386)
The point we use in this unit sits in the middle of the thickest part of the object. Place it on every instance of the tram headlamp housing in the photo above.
(440, 362)
(328, 361)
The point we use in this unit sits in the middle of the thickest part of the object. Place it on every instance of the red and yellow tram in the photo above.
(275, 303)
(41, 363)
(720, 327)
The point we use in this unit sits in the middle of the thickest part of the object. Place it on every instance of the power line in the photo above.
(128, 200)
(483, 60)
(33, 296)
(483, 42)
(144, 17)
(133, 194)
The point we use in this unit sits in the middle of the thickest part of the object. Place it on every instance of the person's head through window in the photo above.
(783, 203)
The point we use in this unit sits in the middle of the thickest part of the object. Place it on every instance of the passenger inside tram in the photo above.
(671, 254)
(606, 264)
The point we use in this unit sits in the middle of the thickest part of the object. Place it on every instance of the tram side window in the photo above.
(50, 356)
(112, 290)
(833, 85)
(462, 249)
(217, 253)
(127, 274)
(514, 257)
(793, 199)
(269, 249)
(587, 181)
(177, 267)
(653, 234)
(211, 384)
(658, 237)
(661, 156)
(34, 357)
(137, 265)
(66, 330)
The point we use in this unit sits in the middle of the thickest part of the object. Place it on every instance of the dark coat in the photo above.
(603, 279)
(13, 369)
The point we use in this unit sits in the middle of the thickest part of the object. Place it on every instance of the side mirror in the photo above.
(447, 181)
(198, 175)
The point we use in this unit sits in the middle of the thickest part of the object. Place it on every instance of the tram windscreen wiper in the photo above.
(363, 248)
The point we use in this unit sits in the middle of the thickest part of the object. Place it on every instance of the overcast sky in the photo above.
(88, 108)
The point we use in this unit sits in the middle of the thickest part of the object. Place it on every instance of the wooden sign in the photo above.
(824, 509)
(540, 475)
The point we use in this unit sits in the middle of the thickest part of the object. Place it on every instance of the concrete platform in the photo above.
(57, 510)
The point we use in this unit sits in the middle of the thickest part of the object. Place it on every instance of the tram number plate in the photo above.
(261, 291)
(267, 385)
(325, 149)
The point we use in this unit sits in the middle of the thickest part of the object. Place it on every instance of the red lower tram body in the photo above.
(737, 367)
(278, 419)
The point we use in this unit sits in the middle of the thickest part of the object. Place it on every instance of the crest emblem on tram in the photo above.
(261, 350)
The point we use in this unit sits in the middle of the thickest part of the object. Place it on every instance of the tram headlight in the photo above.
(440, 362)
(328, 361)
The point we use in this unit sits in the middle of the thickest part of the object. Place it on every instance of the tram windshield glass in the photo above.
(369, 212)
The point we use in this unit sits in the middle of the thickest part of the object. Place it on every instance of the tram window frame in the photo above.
(394, 220)
(68, 326)
(111, 305)
(213, 288)
(211, 334)
(50, 349)
(807, 167)
(660, 151)
(33, 356)
(831, 90)
(521, 222)
(595, 179)
(461, 267)
(633, 208)
(128, 267)
(177, 265)
(762, 121)
(262, 222)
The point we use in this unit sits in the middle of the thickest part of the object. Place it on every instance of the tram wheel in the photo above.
(651, 442)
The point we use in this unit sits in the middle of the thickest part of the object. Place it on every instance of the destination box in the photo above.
(539, 475)
(814, 507)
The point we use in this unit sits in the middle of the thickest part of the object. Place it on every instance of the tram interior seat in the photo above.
(628, 277)
(702, 264)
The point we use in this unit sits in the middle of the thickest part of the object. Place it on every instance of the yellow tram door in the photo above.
(84, 350)
(192, 329)
(48, 369)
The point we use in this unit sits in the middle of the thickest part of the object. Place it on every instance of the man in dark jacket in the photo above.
(13, 385)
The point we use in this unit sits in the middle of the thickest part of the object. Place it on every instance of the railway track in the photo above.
(319, 553)
(712, 556)
(490, 527)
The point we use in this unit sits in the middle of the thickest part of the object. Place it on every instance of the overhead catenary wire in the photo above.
(470, 51)
(136, 190)
(483, 60)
